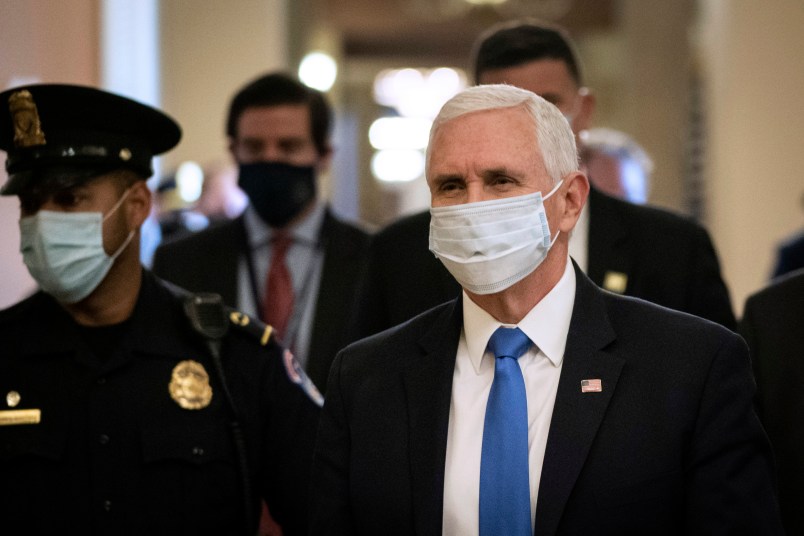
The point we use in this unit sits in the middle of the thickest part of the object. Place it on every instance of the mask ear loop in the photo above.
(556, 187)
(130, 236)
(545, 198)
(117, 205)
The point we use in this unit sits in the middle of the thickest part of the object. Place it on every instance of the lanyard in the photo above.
(299, 302)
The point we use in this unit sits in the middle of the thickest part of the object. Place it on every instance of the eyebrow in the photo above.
(500, 170)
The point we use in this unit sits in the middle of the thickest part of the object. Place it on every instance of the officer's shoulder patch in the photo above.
(297, 375)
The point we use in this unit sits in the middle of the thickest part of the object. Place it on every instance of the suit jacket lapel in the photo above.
(577, 415)
(428, 385)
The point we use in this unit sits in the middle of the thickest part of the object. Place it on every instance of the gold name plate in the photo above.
(20, 416)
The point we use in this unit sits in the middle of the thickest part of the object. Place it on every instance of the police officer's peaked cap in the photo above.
(84, 130)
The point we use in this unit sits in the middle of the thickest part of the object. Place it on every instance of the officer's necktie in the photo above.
(277, 304)
(504, 482)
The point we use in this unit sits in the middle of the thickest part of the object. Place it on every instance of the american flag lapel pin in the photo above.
(591, 386)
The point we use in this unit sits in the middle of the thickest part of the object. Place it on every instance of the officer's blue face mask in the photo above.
(64, 251)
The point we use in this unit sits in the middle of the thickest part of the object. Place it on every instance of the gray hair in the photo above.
(617, 144)
(553, 133)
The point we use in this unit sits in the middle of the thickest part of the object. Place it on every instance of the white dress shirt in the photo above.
(547, 325)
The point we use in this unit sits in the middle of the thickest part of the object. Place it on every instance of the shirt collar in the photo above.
(307, 230)
(547, 324)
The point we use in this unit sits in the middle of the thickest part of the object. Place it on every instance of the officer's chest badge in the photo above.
(189, 385)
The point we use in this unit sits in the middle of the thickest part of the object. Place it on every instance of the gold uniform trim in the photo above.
(13, 399)
(189, 385)
(10, 417)
(266, 335)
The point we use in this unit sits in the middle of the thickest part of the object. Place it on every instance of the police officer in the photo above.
(126, 406)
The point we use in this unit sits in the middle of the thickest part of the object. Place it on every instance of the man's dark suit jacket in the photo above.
(671, 445)
(790, 255)
(208, 262)
(666, 259)
(773, 326)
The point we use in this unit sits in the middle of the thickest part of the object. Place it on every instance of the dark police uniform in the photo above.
(118, 450)
(126, 429)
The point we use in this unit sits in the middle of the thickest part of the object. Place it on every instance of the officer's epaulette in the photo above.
(255, 327)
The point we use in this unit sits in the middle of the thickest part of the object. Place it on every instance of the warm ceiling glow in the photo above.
(397, 165)
(189, 181)
(417, 92)
(400, 133)
(318, 71)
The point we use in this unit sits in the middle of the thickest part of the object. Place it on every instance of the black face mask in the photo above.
(278, 192)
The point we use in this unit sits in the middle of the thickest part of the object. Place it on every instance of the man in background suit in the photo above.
(278, 131)
(773, 326)
(622, 417)
(633, 250)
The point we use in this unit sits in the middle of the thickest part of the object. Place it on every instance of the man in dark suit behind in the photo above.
(628, 249)
(278, 131)
(773, 326)
(628, 418)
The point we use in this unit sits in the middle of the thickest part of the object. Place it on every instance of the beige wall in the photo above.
(209, 49)
(754, 68)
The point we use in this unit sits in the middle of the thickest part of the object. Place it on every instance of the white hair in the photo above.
(636, 166)
(553, 133)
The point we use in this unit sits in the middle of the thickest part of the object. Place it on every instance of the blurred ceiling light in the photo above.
(485, 2)
(417, 92)
(189, 181)
(400, 133)
(397, 165)
(318, 70)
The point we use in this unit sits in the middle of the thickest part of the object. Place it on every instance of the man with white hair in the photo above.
(535, 403)
(617, 164)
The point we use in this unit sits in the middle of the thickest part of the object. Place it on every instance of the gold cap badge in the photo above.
(189, 385)
(27, 127)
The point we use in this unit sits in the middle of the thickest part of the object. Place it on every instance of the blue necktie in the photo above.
(504, 486)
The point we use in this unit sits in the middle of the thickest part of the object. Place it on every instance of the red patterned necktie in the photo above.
(277, 304)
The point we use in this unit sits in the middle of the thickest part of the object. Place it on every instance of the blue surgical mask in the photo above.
(64, 251)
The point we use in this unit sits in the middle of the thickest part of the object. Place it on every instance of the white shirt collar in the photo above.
(307, 230)
(547, 324)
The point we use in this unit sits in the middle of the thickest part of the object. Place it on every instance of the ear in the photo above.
(324, 159)
(138, 204)
(574, 193)
(583, 121)
(231, 146)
